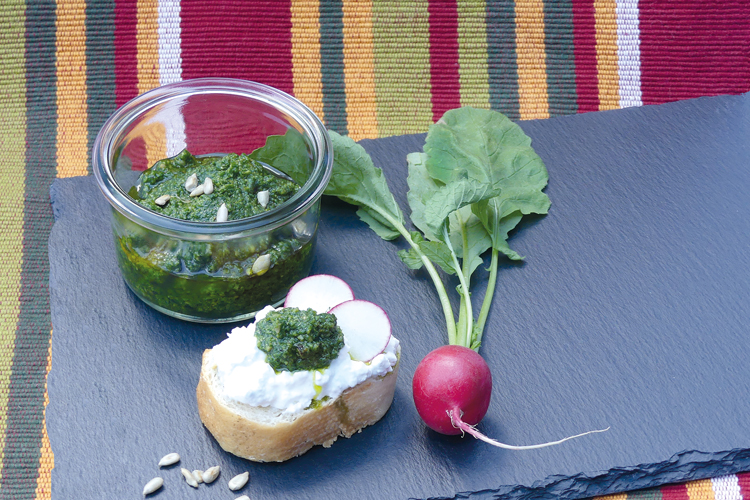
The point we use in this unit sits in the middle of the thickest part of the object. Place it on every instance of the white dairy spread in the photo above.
(246, 377)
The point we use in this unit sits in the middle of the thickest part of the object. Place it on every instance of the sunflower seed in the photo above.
(208, 186)
(198, 476)
(189, 477)
(243, 497)
(238, 481)
(210, 474)
(152, 486)
(261, 264)
(162, 200)
(191, 183)
(263, 197)
(300, 229)
(197, 191)
(169, 459)
(222, 214)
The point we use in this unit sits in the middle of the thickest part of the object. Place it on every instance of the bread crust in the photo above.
(355, 408)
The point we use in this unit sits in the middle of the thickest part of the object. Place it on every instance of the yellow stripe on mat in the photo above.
(606, 54)
(701, 490)
(359, 70)
(147, 43)
(533, 101)
(615, 496)
(72, 126)
(306, 77)
(46, 458)
(13, 159)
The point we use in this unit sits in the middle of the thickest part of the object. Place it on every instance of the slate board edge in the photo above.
(689, 465)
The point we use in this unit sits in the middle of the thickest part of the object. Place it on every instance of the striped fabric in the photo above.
(369, 68)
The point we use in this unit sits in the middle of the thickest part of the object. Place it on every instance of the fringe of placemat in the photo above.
(369, 69)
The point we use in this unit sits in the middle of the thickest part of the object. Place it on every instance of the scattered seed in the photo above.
(238, 481)
(261, 264)
(243, 497)
(191, 183)
(169, 459)
(222, 214)
(198, 476)
(263, 197)
(208, 186)
(197, 191)
(162, 200)
(152, 486)
(210, 474)
(189, 477)
(300, 229)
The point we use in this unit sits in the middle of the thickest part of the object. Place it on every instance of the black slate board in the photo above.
(631, 311)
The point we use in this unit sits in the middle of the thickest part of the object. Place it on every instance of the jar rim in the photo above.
(309, 193)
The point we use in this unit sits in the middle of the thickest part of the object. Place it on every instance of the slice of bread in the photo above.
(266, 434)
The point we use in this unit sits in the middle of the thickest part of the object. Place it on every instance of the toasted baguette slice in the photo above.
(267, 435)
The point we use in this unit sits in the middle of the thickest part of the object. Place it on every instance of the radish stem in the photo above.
(465, 262)
(439, 287)
(455, 415)
(463, 335)
(486, 303)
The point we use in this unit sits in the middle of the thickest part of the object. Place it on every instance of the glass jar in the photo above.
(213, 272)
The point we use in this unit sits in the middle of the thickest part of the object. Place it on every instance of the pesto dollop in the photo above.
(296, 340)
(235, 181)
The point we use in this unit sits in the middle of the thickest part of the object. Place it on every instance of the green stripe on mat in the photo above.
(501, 55)
(472, 54)
(558, 41)
(401, 39)
(100, 66)
(12, 149)
(27, 381)
(332, 65)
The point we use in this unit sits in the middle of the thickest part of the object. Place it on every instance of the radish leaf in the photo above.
(359, 182)
(287, 153)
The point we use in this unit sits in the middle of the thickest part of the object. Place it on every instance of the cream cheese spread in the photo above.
(246, 377)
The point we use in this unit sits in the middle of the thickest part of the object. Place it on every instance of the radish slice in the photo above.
(320, 292)
(365, 326)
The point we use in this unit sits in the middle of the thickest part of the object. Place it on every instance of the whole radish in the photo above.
(452, 387)
(452, 378)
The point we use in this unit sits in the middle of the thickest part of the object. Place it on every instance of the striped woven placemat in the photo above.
(370, 68)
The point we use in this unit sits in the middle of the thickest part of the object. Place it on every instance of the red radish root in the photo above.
(452, 386)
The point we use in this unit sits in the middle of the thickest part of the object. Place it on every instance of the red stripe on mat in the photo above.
(744, 481)
(584, 52)
(238, 39)
(126, 51)
(674, 492)
(446, 87)
(689, 49)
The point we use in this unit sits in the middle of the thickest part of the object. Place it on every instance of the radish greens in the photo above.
(476, 177)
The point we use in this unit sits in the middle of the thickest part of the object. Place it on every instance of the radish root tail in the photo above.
(456, 415)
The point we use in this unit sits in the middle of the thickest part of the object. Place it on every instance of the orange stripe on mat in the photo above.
(147, 37)
(72, 122)
(701, 490)
(606, 54)
(532, 64)
(359, 70)
(306, 76)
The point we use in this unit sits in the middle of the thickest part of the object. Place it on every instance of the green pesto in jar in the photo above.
(296, 340)
(216, 280)
(237, 181)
